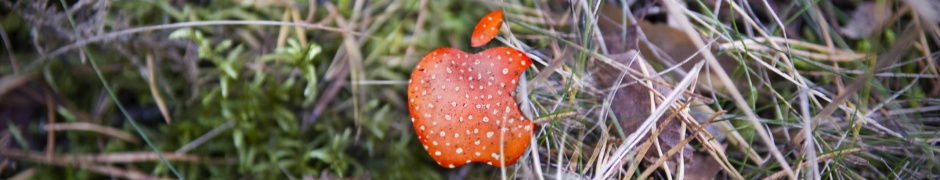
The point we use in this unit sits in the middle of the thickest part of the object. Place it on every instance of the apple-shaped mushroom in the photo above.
(462, 107)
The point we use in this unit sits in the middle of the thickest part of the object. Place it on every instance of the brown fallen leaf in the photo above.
(631, 104)
(669, 46)
(701, 166)
(659, 43)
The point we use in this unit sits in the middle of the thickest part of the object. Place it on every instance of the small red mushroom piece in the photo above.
(462, 108)
(487, 28)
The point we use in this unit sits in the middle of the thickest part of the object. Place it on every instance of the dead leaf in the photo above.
(632, 104)
(928, 10)
(867, 18)
(702, 166)
(659, 43)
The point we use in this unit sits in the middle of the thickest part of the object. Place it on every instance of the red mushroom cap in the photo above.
(462, 109)
(487, 28)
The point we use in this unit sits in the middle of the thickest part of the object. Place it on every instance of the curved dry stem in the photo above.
(84, 126)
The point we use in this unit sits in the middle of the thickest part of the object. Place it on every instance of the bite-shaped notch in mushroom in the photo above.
(462, 107)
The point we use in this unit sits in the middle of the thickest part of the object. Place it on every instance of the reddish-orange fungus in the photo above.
(462, 109)
(487, 28)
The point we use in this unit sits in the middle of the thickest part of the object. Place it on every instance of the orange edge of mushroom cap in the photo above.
(487, 28)
(462, 108)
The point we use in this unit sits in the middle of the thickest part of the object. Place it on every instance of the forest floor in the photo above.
(294, 89)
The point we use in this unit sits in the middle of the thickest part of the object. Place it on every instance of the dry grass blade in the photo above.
(819, 159)
(808, 131)
(355, 59)
(549, 118)
(907, 37)
(84, 126)
(548, 70)
(103, 169)
(156, 93)
(88, 162)
(24, 175)
(283, 31)
(663, 126)
(125, 157)
(205, 137)
(50, 112)
(9, 48)
(678, 147)
(419, 25)
(10, 82)
(631, 142)
(118, 172)
(301, 32)
(675, 10)
(828, 54)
